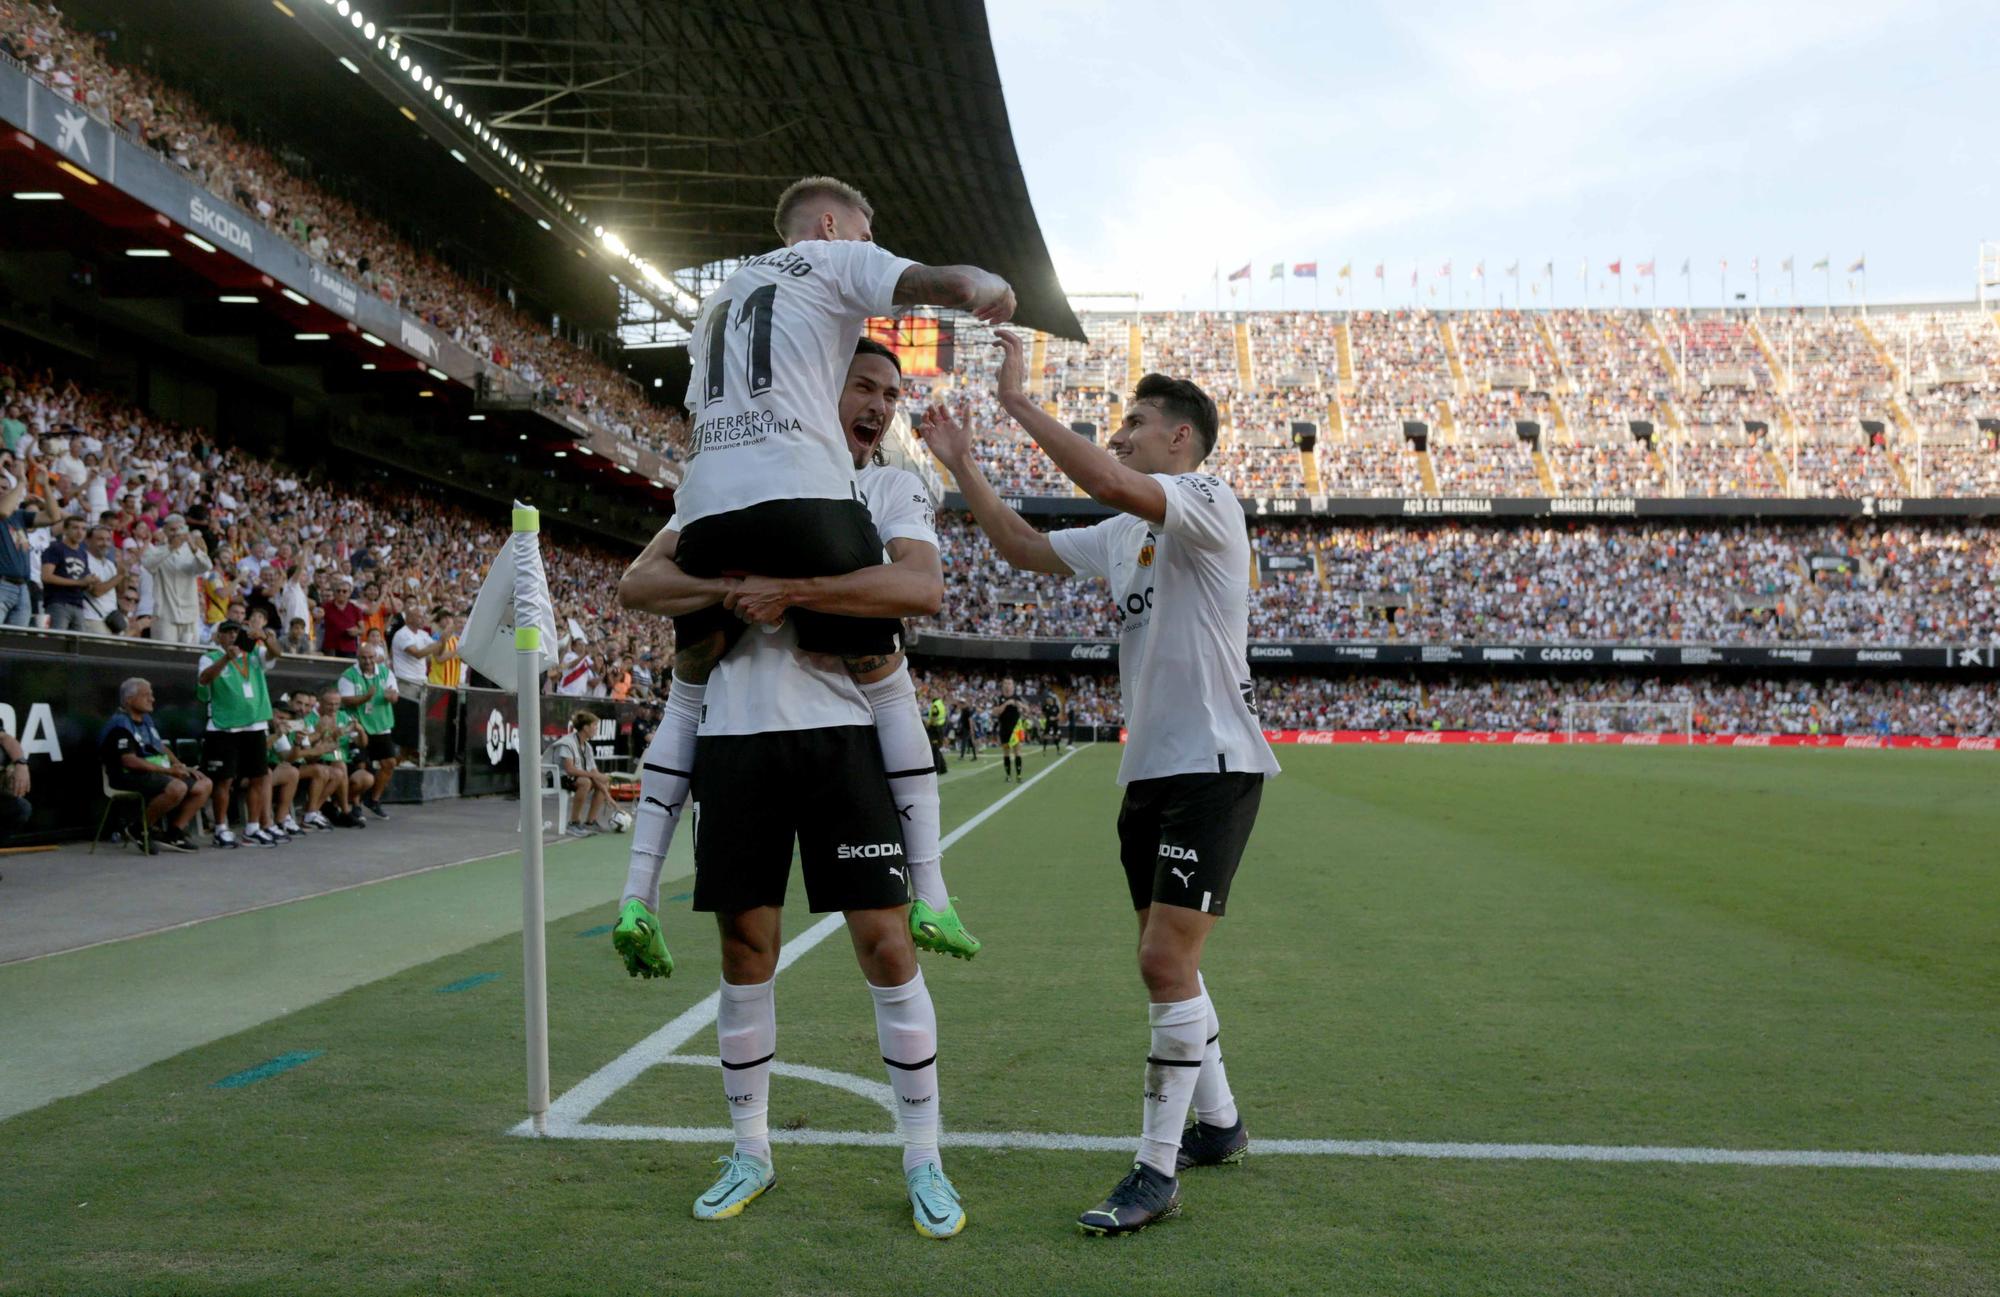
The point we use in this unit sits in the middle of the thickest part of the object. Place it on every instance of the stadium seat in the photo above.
(113, 796)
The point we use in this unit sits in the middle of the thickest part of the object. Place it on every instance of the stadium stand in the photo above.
(1491, 702)
(1794, 404)
(279, 539)
(1717, 582)
(333, 231)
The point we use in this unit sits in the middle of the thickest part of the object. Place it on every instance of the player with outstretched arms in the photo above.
(770, 485)
(1177, 559)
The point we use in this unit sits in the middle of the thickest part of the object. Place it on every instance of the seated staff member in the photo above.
(589, 809)
(15, 808)
(329, 752)
(314, 756)
(136, 759)
(230, 680)
(350, 742)
(279, 755)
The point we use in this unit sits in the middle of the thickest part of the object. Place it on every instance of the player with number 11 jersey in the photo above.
(770, 487)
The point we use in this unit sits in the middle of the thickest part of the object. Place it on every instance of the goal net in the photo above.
(1657, 716)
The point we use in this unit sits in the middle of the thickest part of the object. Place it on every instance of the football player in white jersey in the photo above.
(1177, 559)
(901, 510)
(775, 716)
(770, 484)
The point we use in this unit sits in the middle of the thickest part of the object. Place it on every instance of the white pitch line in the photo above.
(584, 1098)
(1033, 1140)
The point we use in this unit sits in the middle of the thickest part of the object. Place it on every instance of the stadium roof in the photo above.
(677, 125)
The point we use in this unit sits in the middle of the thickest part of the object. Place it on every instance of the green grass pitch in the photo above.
(1717, 949)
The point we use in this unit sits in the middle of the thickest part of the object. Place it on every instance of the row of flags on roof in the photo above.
(1643, 269)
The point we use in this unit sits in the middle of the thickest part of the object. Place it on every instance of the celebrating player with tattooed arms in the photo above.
(771, 488)
(836, 797)
(1177, 559)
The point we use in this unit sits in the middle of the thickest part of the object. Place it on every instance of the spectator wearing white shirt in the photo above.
(294, 603)
(177, 562)
(410, 651)
(107, 574)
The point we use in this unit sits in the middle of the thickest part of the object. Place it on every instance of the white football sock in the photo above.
(906, 1028)
(1179, 1030)
(746, 1032)
(1213, 1102)
(906, 755)
(663, 787)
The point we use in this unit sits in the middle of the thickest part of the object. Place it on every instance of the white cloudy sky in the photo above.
(1162, 140)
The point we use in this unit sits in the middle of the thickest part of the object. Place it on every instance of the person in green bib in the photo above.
(230, 682)
(368, 698)
(313, 754)
(339, 735)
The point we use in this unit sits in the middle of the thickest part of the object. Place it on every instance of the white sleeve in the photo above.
(349, 686)
(1087, 550)
(1200, 510)
(862, 275)
(901, 508)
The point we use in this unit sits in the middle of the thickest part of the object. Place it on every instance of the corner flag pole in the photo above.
(511, 625)
(534, 954)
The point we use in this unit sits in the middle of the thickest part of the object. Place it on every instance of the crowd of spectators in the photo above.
(1648, 704)
(1401, 373)
(1836, 376)
(1585, 376)
(339, 234)
(1463, 700)
(1858, 582)
(179, 532)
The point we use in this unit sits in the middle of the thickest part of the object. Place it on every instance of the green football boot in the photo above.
(942, 932)
(743, 1180)
(934, 1204)
(639, 942)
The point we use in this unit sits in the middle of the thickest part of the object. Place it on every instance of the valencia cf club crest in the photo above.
(1146, 553)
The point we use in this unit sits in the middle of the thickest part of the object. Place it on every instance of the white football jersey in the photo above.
(898, 504)
(770, 353)
(766, 683)
(1183, 606)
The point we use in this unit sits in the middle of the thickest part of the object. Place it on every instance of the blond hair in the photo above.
(801, 195)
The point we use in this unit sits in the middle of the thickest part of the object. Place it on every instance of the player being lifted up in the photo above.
(770, 485)
(909, 585)
(788, 748)
(1177, 558)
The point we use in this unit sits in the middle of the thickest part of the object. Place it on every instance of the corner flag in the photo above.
(513, 624)
(514, 596)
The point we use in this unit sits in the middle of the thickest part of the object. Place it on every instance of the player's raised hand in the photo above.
(1013, 364)
(949, 439)
(994, 300)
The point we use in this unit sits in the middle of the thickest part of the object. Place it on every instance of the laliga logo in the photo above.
(500, 736)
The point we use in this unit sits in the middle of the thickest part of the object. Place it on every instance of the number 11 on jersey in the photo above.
(757, 311)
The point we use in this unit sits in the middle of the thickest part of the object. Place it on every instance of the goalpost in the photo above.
(1658, 716)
